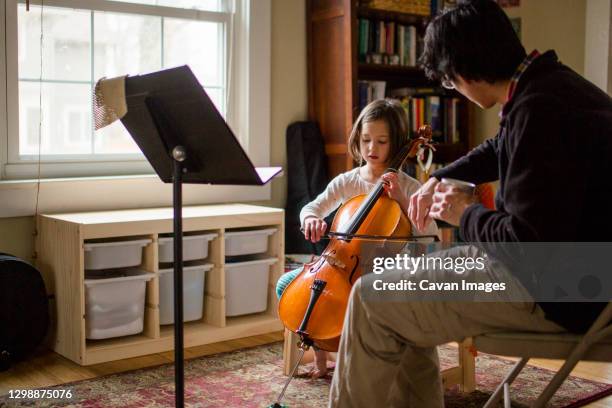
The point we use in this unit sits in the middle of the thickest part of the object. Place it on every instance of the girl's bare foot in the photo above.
(320, 369)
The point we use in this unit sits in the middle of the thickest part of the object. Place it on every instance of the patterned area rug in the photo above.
(253, 378)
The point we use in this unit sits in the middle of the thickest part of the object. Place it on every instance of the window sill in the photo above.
(18, 197)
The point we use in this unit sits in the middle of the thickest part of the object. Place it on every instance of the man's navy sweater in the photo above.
(553, 159)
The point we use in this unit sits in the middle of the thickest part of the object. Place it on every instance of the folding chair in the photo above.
(595, 345)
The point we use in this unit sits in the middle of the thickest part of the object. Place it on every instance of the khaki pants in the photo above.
(388, 355)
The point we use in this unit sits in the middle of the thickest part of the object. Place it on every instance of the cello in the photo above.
(313, 305)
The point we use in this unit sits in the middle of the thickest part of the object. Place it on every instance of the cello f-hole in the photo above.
(354, 268)
(317, 266)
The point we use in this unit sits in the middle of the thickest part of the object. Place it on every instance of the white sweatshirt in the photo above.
(347, 185)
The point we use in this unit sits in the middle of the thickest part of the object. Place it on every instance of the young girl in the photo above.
(378, 134)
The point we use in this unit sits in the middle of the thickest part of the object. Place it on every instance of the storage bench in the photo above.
(61, 251)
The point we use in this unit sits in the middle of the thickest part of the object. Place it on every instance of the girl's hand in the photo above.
(314, 228)
(449, 203)
(392, 187)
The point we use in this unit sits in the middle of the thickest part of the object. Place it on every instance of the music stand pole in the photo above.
(179, 155)
(167, 112)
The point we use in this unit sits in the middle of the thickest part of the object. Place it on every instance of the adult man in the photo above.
(552, 156)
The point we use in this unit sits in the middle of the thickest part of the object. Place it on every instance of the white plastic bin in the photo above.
(194, 247)
(247, 242)
(114, 303)
(194, 278)
(114, 254)
(246, 286)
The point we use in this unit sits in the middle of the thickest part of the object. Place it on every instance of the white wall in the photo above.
(289, 82)
(598, 44)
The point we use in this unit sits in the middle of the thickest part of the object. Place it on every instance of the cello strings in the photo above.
(407, 237)
(365, 237)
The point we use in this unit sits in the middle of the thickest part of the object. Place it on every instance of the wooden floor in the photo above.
(49, 368)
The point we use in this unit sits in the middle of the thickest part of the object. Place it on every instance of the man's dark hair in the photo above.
(475, 39)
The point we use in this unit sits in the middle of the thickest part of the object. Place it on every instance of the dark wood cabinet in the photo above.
(334, 71)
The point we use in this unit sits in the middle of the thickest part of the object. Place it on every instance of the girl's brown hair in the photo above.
(392, 112)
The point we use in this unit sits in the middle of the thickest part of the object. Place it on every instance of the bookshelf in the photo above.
(340, 67)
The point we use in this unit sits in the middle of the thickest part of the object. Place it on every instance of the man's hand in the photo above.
(420, 204)
(314, 228)
(449, 203)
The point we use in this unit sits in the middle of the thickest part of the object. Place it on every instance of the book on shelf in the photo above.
(390, 37)
(364, 38)
(422, 105)
(434, 107)
(388, 42)
(368, 91)
(382, 34)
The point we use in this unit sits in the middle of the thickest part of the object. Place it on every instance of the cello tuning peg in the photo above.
(425, 131)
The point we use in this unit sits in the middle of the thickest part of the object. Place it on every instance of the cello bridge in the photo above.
(334, 261)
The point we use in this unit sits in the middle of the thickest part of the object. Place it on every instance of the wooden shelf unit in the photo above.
(60, 247)
(334, 70)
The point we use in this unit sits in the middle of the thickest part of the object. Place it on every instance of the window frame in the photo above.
(248, 110)
(24, 166)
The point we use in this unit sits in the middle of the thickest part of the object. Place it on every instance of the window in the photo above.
(70, 180)
(49, 113)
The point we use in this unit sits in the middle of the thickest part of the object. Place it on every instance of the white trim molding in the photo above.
(18, 198)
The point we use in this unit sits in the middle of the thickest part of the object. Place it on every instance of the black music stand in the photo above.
(186, 140)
